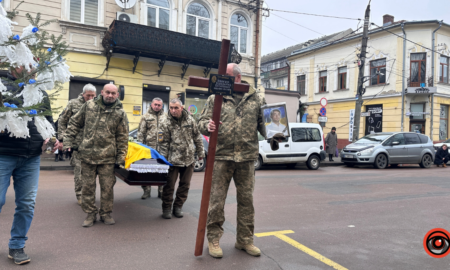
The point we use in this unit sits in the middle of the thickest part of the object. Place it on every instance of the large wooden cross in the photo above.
(203, 82)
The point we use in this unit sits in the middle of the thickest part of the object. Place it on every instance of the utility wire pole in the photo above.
(362, 62)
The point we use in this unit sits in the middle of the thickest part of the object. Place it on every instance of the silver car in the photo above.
(382, 149)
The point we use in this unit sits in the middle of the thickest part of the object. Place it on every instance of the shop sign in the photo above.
(416, 113)
(350, 126)
(365, 114)
(420, 90)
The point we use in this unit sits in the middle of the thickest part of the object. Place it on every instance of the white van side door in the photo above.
(303, 140)
(282, 155)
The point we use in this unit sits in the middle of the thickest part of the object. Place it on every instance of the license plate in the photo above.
(348, 156)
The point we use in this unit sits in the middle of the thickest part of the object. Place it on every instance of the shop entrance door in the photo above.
(417, 126)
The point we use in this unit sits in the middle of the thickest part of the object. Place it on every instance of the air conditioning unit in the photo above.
(125, 17)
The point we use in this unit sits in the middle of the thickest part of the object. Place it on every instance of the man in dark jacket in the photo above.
(442, 156)
(20, 158)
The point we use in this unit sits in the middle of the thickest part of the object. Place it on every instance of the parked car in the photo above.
(390, 148)
(304, 145)
(439, 145)
(199, 165)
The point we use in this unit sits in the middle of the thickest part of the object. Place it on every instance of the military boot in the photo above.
(79, 199)
(214, 249)
(146, 194)
(167, 213)
(177, 212)
(107, 219)
(90, 220)
(250, 249)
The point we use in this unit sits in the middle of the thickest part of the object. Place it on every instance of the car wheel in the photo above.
(258, 163)
(426, 162)
(381, 161)
(313, 162)
(200, 165)
(291, 165)
(349, 164)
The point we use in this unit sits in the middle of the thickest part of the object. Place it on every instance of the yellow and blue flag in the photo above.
(138, 151)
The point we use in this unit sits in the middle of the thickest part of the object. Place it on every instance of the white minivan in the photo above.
(304, 145)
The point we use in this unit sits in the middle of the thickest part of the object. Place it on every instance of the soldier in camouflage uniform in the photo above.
(148, 133)
(74, 105)
(180, 141)
(237, 150)
(103, 147)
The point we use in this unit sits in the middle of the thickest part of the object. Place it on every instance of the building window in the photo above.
(443, 70)
(238, 32)
(443, 123)
(158, 14)
(84, 11)
(378, 72)
(418, 69)
(280, 83)
(342, 79)
(301, 84)
(322, 81)
(198, 20)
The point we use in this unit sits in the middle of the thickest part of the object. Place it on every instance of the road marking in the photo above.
(281, 235)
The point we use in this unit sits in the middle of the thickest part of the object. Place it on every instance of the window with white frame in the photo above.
(84, 11)
(158, 14)
(301, 84)
(198, 20)
(443, 70)
(238, 32)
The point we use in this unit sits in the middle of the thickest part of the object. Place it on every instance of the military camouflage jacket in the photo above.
(105, 132)
(72, 108)
(180, 140)
(149, 126)
(238, 136)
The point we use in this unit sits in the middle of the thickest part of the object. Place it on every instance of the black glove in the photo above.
(279, 137)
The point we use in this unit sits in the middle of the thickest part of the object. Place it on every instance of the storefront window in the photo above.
(419, 109)
(195, 106)
(443, 121)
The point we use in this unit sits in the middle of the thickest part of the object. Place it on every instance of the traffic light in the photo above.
(181, 96)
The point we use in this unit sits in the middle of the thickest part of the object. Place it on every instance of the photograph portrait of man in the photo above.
(275, 119)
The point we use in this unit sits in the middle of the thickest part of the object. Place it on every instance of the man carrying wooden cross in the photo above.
(237, 150)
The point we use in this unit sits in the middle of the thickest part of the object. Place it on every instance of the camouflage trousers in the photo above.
(148, 188)
(243, 174)
(107, 180)
(76, 162)
(183, 186)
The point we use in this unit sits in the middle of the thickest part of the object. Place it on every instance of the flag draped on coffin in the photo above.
(138, 151)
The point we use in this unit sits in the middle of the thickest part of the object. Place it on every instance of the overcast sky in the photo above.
(283, 33)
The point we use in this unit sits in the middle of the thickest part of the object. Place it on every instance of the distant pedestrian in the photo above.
(442, 156)
(331, 142)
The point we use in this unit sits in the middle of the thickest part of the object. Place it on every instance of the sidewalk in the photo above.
(337, 162)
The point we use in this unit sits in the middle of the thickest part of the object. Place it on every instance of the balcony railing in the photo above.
(427, 83)
(146, 41)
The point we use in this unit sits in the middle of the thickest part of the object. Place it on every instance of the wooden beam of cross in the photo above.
(218, 100)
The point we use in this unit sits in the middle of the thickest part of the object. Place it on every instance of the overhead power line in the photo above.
(281, 33)
(310, 14)
(299, 24)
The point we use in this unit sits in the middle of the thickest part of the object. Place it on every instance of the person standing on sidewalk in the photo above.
(74, 105)
(148, 133)
(237, 150)
(179, 141)
(331, 142)
(103, 147)
(20, 159)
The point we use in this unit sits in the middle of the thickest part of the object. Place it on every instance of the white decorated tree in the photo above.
(39, 64)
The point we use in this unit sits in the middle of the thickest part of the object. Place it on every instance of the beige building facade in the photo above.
(83, 24)
(330, 71)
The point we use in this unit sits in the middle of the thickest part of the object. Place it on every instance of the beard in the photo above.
(109, 100)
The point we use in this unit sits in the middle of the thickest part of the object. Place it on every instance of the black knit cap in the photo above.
(333, 128)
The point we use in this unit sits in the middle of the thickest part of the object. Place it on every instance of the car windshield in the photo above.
(373, 138)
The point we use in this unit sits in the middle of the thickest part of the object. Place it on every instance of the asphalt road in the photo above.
(352, 218)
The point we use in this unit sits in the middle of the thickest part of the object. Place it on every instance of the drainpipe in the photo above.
(289, 76)
(403, 77)
(257, 43)
(432, 76)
